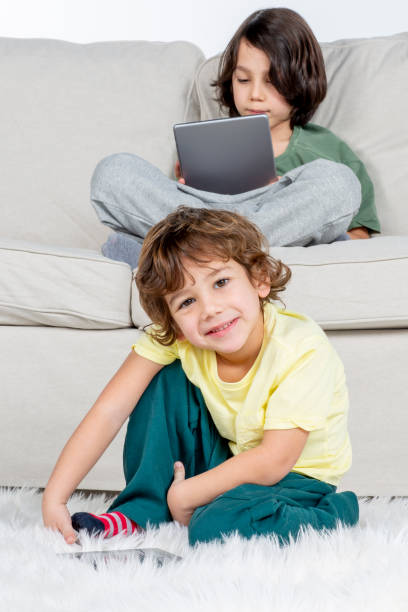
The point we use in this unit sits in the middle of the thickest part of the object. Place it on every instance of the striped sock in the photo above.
(108, 524)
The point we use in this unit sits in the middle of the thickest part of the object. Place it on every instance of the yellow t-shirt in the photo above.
(297, 380)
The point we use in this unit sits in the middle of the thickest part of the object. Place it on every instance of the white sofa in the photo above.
(68, 316)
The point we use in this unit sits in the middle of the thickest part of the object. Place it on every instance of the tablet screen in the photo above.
(227, 156)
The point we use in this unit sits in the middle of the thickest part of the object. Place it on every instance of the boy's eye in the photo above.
(221, 283)
(186, 303)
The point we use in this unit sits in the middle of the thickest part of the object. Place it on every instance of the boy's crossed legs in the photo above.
(311, 204)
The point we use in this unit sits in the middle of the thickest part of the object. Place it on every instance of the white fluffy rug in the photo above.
(359, 569)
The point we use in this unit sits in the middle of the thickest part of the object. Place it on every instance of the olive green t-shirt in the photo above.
(315, 142)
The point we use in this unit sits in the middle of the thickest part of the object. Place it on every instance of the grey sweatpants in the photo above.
(311, 204)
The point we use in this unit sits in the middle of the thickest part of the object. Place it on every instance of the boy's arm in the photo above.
(266, 465)
(93, 436)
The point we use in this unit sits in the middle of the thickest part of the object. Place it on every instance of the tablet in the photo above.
(226, 156)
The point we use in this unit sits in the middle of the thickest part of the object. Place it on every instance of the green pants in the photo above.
(171, 423)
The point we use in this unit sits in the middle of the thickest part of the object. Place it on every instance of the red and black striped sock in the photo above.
(108, 524)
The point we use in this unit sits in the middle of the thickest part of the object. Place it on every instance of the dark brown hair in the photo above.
(296, 61)
(200, 235)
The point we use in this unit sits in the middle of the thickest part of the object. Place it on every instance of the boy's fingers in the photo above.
(70, 536)
(177, 172)
(179, 471)
(70, 540)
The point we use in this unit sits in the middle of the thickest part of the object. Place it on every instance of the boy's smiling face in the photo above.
(219, 309)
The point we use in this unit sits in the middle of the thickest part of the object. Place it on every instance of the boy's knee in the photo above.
(104, 173)
(348, 185)
(341, 183)
(111, 170)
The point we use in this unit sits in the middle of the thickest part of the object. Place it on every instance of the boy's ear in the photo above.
(263, 287)
(261, 281)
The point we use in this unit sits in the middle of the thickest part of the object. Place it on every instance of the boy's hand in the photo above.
(359, 233)
(176, 496)
(177, 172)
(56, 516)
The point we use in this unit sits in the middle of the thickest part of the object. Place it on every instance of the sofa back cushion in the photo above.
(63, 107)
(366, 106)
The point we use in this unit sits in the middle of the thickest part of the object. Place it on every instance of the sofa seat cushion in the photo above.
(62, 287)
(356, 284)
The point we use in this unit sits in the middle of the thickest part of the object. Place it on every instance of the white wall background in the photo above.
(208, 23)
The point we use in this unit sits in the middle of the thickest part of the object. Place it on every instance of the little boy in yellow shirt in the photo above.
(238, 408)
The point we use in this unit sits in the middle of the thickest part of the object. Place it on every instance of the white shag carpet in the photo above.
(360, 569)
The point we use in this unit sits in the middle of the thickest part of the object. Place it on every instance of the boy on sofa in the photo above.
(238, 408)
(274, 65)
